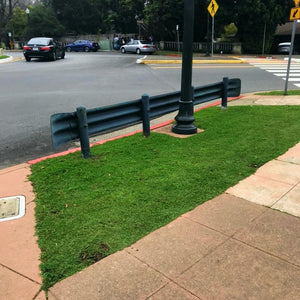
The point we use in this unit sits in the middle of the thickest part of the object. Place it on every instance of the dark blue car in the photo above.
(82, 45)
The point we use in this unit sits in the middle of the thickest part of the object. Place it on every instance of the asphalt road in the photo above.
(32, 92)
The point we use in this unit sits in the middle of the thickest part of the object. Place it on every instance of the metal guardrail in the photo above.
(83, 123)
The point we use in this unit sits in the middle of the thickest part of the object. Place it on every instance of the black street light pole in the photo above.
(185, 118)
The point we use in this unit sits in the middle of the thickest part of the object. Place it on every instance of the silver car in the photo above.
(284, 48)
(138, 47)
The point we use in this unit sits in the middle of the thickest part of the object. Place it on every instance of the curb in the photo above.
(4, 60)
(11, 59)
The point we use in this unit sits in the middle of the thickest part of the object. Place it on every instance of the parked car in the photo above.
(44, 48)
(83, 45)
(138, 47)
(284, 48)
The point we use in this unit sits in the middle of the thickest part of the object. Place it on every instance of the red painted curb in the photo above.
(35, 161)
(267, 57)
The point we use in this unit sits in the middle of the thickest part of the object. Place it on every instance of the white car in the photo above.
(138, 47)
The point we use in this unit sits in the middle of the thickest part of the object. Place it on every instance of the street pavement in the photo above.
(243, 244)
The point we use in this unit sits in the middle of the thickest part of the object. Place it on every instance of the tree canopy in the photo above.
(251, 18)
(42, 21)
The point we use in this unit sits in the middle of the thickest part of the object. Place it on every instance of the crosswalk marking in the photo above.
(284, 74)
(279, 69)
(292, 79)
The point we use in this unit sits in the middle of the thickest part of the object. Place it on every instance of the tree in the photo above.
(253, 16)
(17, 23)
(84, 16)
(6, 7)
(6, 12)
(230, 30)
(201, 20)
(159, 18)
(128, 12)
(162, 17)
(43, 22)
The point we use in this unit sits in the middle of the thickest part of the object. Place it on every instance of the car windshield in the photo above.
(39, 41)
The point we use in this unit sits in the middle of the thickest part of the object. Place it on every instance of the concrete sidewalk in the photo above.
(19, 253)
(236, 246)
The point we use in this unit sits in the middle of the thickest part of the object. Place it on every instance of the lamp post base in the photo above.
(184, 129)
(185, 119)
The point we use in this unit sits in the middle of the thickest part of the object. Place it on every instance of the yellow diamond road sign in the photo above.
(295, 13)
(213, 7)
(296, 2)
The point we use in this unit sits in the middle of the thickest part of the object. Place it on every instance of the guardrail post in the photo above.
(225, 93)
(193, 94)
(83, 131)
(145, 115)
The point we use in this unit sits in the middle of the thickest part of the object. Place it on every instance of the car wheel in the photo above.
(28, 58)
(53, 57)
(86, 49)
(69, 49)
(138, 51)
(123, 50)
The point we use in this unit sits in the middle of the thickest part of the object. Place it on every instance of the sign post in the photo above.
(212, 9)
(177, 30)
(294, 16)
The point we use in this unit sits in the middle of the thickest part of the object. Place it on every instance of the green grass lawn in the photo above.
(3, 56)
(90, 208)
